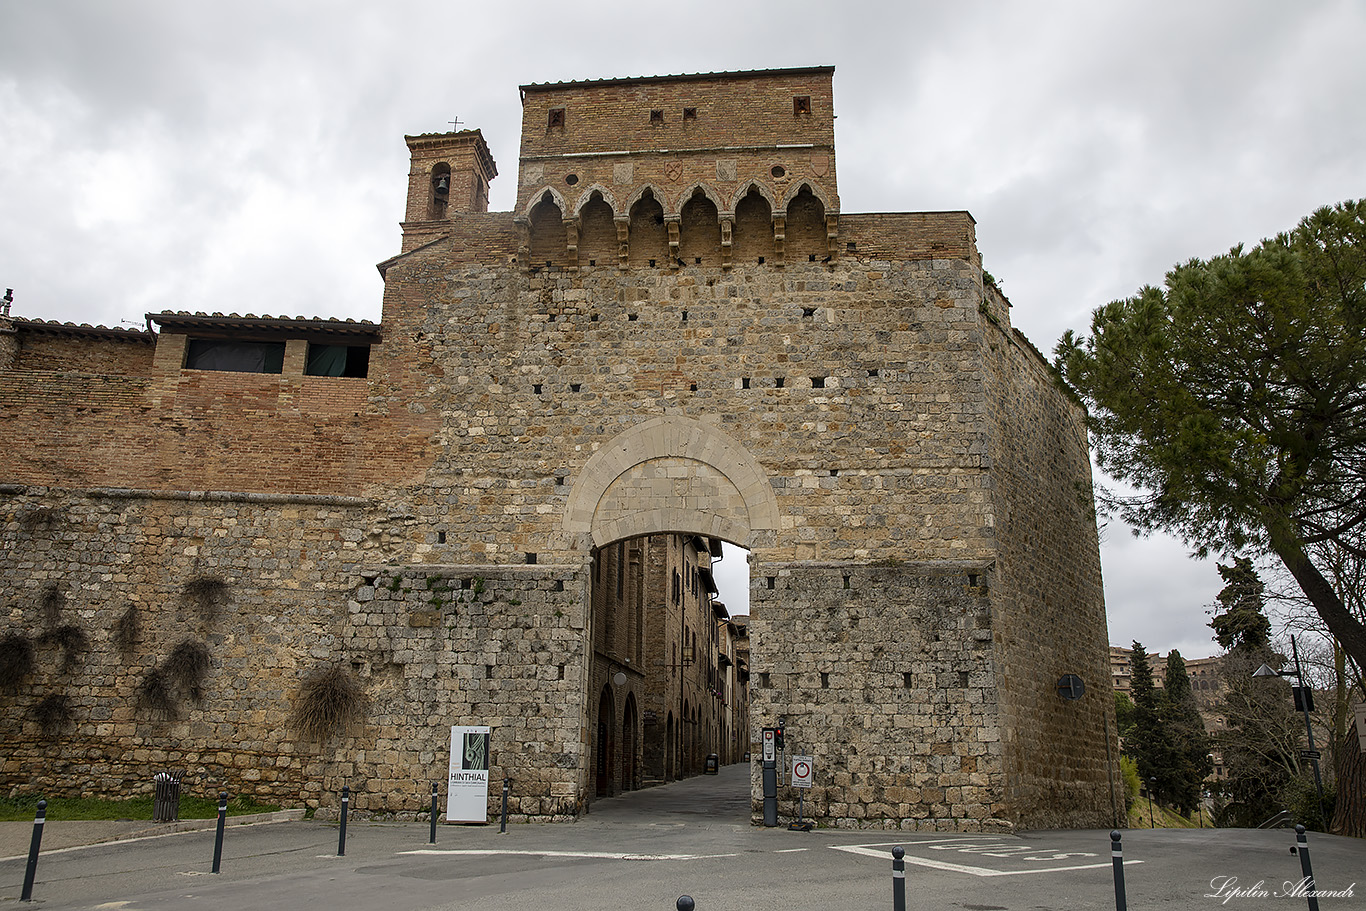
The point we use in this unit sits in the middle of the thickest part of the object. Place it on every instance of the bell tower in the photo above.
(450, 174)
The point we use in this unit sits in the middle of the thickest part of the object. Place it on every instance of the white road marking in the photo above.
(791, 850)
(603, 855)
(883, 852)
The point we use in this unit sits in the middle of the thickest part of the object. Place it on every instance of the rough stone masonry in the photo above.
(676, 330)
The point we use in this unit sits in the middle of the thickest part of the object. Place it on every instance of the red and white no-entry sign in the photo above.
(803, 771)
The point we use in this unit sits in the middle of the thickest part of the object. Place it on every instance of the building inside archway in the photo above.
(669, 666)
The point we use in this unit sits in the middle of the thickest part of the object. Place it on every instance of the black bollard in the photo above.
(341, 838)
(503, 826)
(1117, 859)
(31, 870)
(685, 903)
(222, 821)
(1310, 890)
(898, 878)
(432, 840)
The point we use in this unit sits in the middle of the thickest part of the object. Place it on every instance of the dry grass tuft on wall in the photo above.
(205, 595)
(126, 631)
(51, 602)
(155, 695)
(186, 667)
(73, 642)
(53, 714)
(330, 702)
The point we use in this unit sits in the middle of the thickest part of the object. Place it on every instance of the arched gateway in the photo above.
(498, 506)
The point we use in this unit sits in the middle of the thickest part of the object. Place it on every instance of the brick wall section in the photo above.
(149, 424)
(740, 122)
(62, 353)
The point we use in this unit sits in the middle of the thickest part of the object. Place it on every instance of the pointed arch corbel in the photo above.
(587, 196)
(816, 190)
(763, 191)
(656, 194)
(535, 199)
(692, 189)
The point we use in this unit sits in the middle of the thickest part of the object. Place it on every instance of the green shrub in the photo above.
(1128, 770)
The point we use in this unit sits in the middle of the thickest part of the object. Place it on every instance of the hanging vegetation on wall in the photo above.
(73, 642)
(186, 668)
(205, 595)
(53, 714)
(329, 702)
(51, 602)
(155, 696)
(181, 676)
(16, 659)
(126, 631)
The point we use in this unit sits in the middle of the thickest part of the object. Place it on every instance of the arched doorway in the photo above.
(628, 744)
(669, 768)
(603, 746)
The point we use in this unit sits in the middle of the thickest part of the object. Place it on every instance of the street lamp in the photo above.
(1303, 694)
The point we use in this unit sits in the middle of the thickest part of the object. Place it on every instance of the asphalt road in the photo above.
(644, 850)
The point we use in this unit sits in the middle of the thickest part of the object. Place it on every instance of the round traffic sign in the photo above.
(801, 769)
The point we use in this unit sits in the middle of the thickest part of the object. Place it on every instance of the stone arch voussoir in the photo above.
(671, 474)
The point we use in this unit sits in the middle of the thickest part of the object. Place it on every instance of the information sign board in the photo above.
(467, 788)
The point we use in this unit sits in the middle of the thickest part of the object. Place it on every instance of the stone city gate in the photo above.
(677, 331)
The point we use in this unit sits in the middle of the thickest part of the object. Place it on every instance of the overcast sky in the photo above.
(192, 156)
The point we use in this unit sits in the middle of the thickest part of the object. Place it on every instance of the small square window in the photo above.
(690, 113)
(656, 118)
(801, 105)
(555, 120)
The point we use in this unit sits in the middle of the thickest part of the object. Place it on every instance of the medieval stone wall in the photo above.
(840, 394)
(1048, 602)
(861, 412)
(120, 569)
(884, 674)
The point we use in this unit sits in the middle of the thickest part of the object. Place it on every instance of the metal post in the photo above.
(770, 779)
(432, 839)
(898, 878)
(31, 870)
(503, 824)
(1309, 730)
(222, 821)
(1117, 860)
(1310, 890)
(341, 838)
(1152, 799)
